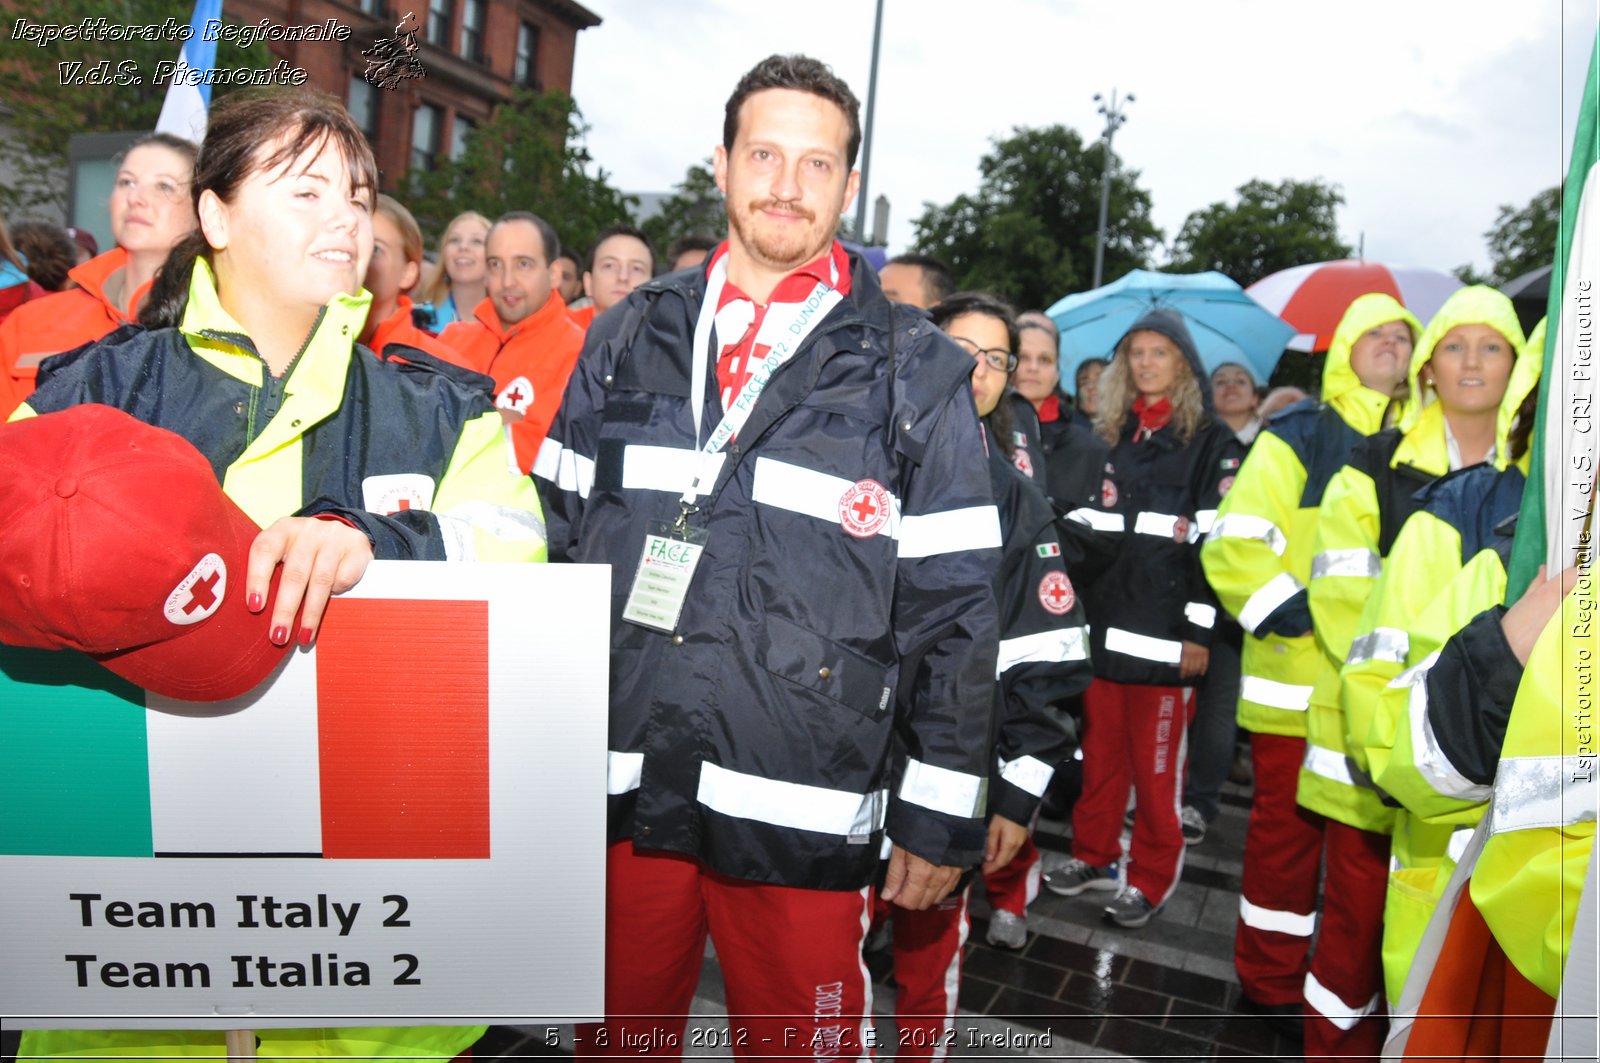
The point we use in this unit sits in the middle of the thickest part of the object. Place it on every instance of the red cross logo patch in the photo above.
(1181, 529)
(515, 396)
(1024, 464)
(1108, 494)
(864, 509)
(199, 594)
(1222, 487)
(1055, 593)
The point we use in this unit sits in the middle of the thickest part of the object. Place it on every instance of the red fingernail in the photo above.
(305, 636)
(253, 602)
(279, 636)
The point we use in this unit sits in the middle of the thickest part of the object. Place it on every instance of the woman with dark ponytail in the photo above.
(249, 353)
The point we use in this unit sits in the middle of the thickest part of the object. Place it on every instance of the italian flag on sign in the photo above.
(380, 751)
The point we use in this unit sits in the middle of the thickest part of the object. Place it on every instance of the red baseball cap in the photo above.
(120, 543)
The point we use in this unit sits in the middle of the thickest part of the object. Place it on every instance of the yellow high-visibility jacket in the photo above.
(1258, 554)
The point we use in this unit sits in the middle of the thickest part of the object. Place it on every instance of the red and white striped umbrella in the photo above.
(1313, 298)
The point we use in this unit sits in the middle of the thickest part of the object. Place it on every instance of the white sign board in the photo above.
(407, 822)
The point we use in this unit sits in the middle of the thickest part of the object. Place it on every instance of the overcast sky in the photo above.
(1429, 114)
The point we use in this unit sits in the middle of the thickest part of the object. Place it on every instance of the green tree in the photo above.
(695, 208)
(1271, 227)
(530, 156)
(1029, 231)
(44, 106)
(1524, 239)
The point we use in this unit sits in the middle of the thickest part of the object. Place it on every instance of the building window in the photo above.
(439, 22)
(526, 71)
(424, 137)
(472, 30)
(458, 135)
(364, 105)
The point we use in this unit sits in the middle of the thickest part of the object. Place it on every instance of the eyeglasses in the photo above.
(996, 358)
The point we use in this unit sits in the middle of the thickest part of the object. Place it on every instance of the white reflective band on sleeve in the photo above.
(1428, 757)
(459, 542)
(1380, 644)
(1328, 764)
(1273, 593)
(1273, 694)
(567, 469)
(790, 804)
(926, 534)
(814, 494)
(1249, 526)
(1460, 838)
(1204, 520)
(670, 469)
(1553, 791)
(955, 793)
(1327, 1004)
(1161, 525)
(1356, 562)
(1200, 615)
(1161, 651)
(1300, 926)
(1060, 644)
(1098, 519)
(1027, 773)
(623, 771)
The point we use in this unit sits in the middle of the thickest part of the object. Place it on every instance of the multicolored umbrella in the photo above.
(1313, 298)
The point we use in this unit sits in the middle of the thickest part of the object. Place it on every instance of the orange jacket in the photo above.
(583, 317)
(60, 321)
(398, 328)
(530, 365)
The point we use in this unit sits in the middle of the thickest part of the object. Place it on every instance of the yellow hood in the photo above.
(1477, 305)
(1362, 407)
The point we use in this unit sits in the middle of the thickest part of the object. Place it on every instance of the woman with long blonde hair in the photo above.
(459, 280)
(1151, 613)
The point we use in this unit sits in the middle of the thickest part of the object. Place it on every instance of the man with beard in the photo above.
(785, 471)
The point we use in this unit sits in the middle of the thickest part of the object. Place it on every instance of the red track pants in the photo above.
(927, 974)
(1282, 858)
(1133, 734)
(1345, 1016)
(791, 962)
(1015, 886)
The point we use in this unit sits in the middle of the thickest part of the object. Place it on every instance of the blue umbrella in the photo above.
(1227, 325)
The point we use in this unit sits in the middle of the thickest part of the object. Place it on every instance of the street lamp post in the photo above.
(866, 153)
(1114, 120)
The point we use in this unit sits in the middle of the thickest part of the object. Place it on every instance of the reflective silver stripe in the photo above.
(1249, 526)
(926, 534)
(1300, 926)
(1328, 764)
(623, 771)
(459, 542)
(790, 804)
(955, 793)
(1204, 519)
(1161, 525)
(505, 523)
(1059, 644)
(1553, 791)
(1098, 519)
(671, 469)
(1027, 773)
(1161, 651)
(1200, 615)
(1273, 694)
(800, 490)
(1380, 644)
(1326, 1002)
(567, 469)
(1269, 596)
(1460, 838)
(1427, 756)
(1356, 562)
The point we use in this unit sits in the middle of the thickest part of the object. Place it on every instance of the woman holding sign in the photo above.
(250, 355)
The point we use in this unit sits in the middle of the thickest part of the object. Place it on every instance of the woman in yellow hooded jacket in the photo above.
(1458, 378)
(1258, 560)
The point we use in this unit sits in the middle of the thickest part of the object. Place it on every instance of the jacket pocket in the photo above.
(805, 658)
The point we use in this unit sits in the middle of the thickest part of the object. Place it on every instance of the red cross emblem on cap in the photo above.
(1055, 593)
(199, 593)
(864, 509)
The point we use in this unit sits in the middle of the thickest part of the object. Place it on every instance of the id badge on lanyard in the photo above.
(672, 552)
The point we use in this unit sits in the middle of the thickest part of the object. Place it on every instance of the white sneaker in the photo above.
(1006, 931)
(1193, 824)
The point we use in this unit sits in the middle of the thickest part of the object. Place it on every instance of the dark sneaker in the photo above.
(1193, 824)
(1075, 876)
(1006, 931)
(1130, 909)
